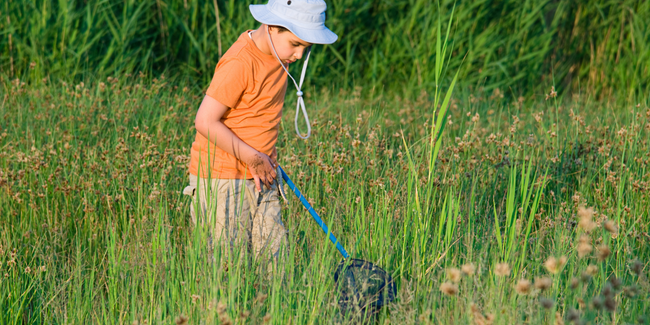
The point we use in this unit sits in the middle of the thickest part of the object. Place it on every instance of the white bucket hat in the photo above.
(306, 20)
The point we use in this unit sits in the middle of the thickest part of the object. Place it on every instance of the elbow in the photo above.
(199, 123)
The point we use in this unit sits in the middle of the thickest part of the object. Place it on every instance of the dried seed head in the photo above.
(543, 283)
(611, 227)
(631, 291)
(573, 315)
(607, 290)
(586, 218)
(546, 303)
(449, 288)
(225, 319)
(181, 320)
(453, 274)
(584, 246)
(469, 269)
(637, 267)
(597, 303)
(502, 269)
(261, 298)
(523, 287)
(610, 304)
(555, 265)
(615, 282)
(558, 318)
(592, 269)
(221, 308)
(603, 252)
(574, 283)
(267, 318)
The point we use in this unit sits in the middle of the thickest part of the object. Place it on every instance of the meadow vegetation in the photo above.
(516, 46)
(522, 198)
(536, 211)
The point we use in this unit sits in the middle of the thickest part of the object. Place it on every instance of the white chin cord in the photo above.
(300, 105)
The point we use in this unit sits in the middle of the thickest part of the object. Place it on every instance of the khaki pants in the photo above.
(239, 215)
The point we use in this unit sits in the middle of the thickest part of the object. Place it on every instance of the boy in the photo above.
(234, 154)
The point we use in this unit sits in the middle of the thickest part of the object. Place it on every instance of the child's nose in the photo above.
(299, 54)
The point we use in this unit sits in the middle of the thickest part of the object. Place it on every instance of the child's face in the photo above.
(289, 47)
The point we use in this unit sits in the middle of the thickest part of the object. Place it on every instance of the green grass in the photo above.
(595, 46)
(94, 229)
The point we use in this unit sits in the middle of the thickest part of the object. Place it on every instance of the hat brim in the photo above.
(315, 36)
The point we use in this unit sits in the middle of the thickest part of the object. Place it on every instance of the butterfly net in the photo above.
(363, 287)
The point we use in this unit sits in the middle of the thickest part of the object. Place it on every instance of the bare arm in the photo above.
(208, 123)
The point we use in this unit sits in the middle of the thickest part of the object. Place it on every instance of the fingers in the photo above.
(257, 183)
(263, 171)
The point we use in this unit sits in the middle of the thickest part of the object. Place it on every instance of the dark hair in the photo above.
(281, 29)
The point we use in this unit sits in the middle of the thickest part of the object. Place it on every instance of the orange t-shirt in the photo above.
(253, 85)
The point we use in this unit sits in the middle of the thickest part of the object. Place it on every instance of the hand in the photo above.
(262, 168)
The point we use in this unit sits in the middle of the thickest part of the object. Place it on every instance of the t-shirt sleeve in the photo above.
(229, 82)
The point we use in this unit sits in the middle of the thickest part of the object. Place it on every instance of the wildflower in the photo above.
(603, 252)
(631, 291)
(610, 304)
(546, 303)
(554, 265)
(449, 288)
(468, 269)
(597, 303)
(261, 298)
(502, 269)
(573, 315)
(28, 270)
(453, 274)
(586, 215)
(181, 320)
(479, 319)
(523, 287)
(221, 308)
(592, 269)
(637, 267)
(195, 298)
(611, 227)
(543, 283)
(225, 319)
(584, 247)
(615, 282)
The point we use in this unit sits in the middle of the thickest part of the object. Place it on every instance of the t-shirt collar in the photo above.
(256, 51)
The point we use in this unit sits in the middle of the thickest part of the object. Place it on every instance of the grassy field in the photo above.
(524, 198)
(533, 211)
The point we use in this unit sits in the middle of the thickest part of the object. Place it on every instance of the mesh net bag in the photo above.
(363, 287)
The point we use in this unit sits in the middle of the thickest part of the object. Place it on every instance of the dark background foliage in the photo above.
(517, 46)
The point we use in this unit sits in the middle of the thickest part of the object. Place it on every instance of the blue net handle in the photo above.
(313, 213)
